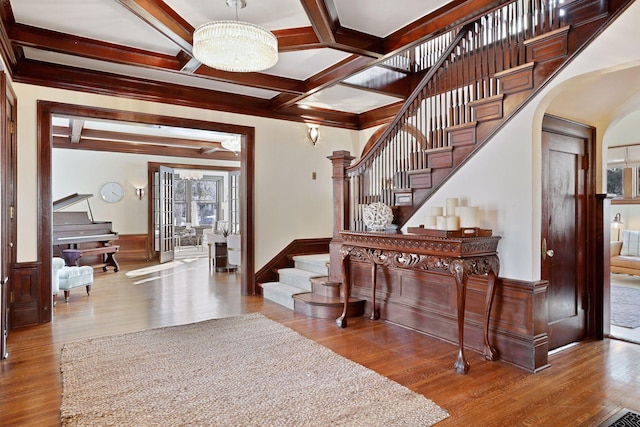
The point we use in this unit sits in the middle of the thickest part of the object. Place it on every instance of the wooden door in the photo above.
(164, 213)
(7, 211)
(565, 187)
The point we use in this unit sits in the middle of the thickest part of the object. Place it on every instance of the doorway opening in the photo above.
(47, 140)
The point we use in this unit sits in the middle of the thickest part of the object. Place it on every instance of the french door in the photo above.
(163, 213)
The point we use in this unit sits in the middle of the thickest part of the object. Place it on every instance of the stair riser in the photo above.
(320, 268)
(328, 312)
(300, 282)
(278, 297)
(331, 291)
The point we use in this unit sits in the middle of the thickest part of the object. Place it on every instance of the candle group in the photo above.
(452, 217)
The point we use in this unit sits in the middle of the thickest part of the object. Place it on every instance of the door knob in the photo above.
(546, 252)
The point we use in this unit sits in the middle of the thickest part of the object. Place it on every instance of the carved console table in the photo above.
(455, 253)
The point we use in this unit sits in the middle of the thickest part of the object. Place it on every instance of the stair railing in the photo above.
(462, 64)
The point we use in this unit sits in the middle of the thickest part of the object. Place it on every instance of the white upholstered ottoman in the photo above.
(74, 277)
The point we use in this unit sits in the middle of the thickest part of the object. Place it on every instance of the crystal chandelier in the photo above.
(235, 45)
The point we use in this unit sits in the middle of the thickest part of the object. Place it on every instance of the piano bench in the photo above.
(74, 277)
(108, 254)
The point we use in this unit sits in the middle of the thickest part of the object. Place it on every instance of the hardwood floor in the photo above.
(585, 384)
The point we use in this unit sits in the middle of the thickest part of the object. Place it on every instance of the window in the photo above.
(196, 201)
(614, 181)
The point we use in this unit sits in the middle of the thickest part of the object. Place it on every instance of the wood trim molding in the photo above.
(45, 110)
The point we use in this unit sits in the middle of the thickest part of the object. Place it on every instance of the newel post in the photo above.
(340, 161)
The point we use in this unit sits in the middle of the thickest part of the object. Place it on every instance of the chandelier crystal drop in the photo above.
(235, 45)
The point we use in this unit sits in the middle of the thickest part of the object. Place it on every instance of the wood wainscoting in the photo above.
(133, 247)
(27, 304)
(426, 301)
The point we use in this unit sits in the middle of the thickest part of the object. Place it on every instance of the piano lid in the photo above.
(70, 201)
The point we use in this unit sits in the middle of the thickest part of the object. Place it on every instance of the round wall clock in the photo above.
(112, 192)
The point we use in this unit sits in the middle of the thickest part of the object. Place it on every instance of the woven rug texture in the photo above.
(625, 306)
(237, 371)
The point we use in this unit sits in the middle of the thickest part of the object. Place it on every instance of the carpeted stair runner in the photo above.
(305, 288)
(296, 280)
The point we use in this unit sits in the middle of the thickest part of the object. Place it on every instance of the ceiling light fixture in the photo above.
(232, 144)
(235, 45)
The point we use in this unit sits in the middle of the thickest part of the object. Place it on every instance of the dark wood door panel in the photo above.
(24, 299)
(564, 228)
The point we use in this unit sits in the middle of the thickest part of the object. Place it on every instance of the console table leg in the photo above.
(490, 353)
(457, 268)
(375, 315)
(342, 320)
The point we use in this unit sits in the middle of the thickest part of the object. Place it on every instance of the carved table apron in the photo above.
(460, 256)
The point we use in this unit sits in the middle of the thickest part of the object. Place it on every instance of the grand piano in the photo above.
(74, 231)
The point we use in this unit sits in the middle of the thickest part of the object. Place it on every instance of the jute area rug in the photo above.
(238, 371)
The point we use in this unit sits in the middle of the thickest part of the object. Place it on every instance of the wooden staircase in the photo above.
(305, 288)
(487, 69)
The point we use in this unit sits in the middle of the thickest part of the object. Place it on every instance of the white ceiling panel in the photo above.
(303, 64)
(145, 73)
(93, 19)
(383, 17)
(348, 99)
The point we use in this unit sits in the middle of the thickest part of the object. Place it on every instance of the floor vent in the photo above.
(623, 418)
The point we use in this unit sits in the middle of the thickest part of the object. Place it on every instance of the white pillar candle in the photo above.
(453, 223)
(441, 222)
(469, 216)
(430, 222)
(436, 211)
(452, 204)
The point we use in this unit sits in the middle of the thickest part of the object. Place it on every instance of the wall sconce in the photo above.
(617, 222)
(140, 192)
(313, 133)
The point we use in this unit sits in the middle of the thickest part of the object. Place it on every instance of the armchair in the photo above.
(56, 265)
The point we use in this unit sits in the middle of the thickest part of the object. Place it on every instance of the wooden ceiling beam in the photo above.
(95, 134)
(62, 77)
(325, 79)
(294, 39)
(7, 20)
(52, 41)
(163, 19)
(326, 24)
(324, 19)
(26, 36)
(257, 80)
(76, 130)
(146, 149)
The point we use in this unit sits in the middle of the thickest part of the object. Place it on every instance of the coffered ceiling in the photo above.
(333, 65)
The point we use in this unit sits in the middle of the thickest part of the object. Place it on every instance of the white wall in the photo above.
(288, 203)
